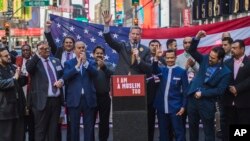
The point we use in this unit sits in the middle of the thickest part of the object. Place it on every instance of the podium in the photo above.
(129, 108)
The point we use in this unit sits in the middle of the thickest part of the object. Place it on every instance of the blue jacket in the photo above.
(177, 90)
(75, 81)
(217, 83)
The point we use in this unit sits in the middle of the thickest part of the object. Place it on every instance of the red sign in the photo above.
(186, 17)
(128, 85)
(27, 32)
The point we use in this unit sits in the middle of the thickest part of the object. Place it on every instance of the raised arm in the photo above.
(107, 36)
(194, 44)
(49, 37)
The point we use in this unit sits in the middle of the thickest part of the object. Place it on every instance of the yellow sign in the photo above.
(27, 13)
(17, 4)
(3, 6)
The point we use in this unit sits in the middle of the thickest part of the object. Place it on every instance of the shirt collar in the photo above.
(240, 59)
(171, 67)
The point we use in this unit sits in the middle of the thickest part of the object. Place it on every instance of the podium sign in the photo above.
(129, 85)
(129, 108)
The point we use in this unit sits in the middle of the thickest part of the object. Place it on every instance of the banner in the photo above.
(3, 6)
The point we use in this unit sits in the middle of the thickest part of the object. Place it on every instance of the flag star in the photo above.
(106, 57)
(100, 33)
(91, 55)
(92, 39)
(115, 35)
(58, 25)
(113, 64)
(57, 40)
(72, 28)
(86, 31)
(113, 51)
(78, 37)
(64, 34)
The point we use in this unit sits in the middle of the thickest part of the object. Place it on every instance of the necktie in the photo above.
(68, 56)
(52, 77)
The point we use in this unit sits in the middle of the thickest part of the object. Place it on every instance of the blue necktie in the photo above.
(68, 56)
(52, 77)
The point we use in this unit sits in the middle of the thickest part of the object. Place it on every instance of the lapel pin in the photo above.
(241, 65)
(53, 61)
(141, 49)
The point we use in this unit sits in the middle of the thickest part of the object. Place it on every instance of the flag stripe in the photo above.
(209, 40)
(163, 33)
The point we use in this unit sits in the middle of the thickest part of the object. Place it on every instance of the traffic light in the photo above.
(7, 28)
(136, 21)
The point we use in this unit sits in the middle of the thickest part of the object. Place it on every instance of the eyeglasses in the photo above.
(186, 42)
(46, 49)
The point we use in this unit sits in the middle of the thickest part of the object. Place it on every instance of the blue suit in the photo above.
(77, 101)
(170, 98)
(210, 87)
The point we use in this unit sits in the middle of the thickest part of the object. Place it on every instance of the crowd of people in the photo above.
(35, 86)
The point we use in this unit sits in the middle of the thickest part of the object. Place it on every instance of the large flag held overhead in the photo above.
(92, 34)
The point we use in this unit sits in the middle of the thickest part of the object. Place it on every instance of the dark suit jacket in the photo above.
(242, 84)
(151, 85)
(57, 52)
(12, 100)
(124, 65)
(75, 81)
(40, 81)
(218, 82)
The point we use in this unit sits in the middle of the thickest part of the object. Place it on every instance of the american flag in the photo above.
(92, 34)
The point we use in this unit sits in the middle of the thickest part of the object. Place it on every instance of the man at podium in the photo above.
(132, 54)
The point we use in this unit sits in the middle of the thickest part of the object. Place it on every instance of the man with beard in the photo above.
(11, 99)
(12, 53)
(236, 98)
(211, 81)
(102, 85)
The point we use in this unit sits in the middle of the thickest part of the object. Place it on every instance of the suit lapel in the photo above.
(217, 71)
(53, 61)
(40, 63)
(241, 68)
(128, 48)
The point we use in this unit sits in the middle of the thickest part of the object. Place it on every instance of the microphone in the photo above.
(154, 76)
(135, 44)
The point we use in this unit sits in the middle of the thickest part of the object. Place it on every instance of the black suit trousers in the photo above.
(103, 109)
(46, 121)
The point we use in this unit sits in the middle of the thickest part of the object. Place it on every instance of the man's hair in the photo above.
(220, 51)
(241, 43)
(99, 47)
(26, 45)
(135, 27)
(228, 39)
(170, 41)
(2, 49)
(41, 43)
(69, 37)
(154, 41)
(170, 51)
